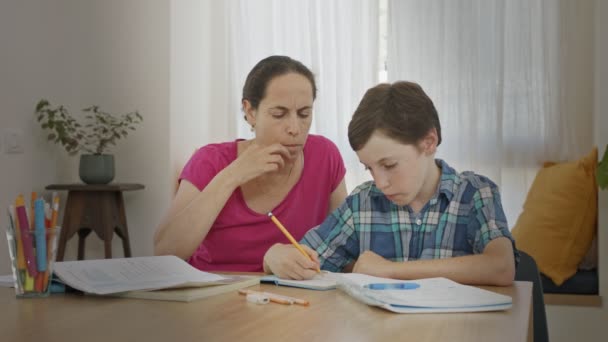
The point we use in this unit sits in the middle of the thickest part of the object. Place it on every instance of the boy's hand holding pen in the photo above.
(307, 266)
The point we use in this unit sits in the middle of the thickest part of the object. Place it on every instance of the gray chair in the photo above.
(528, 271)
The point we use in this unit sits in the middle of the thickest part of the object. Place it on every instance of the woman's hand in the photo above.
(257, 160)
(286, 261)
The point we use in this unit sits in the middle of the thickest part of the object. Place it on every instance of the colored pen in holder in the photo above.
(31, 247)
(26, 284)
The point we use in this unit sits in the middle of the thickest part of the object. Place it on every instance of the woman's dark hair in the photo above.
(268, 68)
(400, 110)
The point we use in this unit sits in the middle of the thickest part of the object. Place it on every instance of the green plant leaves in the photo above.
(602, 171)
(41, 104)
(100, 129)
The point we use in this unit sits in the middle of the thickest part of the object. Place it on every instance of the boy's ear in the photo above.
(429, 142)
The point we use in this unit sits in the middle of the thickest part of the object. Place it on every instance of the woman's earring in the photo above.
(253, 128)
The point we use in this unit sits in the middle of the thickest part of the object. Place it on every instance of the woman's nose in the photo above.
(293, 126)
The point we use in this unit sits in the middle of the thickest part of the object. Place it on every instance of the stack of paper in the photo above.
(189, 294)
(123, 276)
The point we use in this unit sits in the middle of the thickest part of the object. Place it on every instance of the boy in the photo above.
(419, 218)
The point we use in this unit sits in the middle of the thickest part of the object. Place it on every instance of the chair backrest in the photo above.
(528, 271)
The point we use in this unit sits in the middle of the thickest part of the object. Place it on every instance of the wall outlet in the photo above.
(13, 141)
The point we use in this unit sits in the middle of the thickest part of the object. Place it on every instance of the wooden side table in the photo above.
(98, 208)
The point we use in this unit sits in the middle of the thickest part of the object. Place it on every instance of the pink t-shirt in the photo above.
(239, 236)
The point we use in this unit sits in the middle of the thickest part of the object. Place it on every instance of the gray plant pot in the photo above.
(96, 168)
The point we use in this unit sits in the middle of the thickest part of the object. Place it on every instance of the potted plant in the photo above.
(92, 138)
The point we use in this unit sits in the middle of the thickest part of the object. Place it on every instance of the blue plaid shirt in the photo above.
(463, 216)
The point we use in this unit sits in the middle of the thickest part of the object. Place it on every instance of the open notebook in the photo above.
(421, 295)
(322, 281)
(405, 296)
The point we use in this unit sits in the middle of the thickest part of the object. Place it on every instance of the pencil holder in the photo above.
(32, 256)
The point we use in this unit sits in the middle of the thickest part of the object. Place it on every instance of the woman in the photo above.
(418, 218)
(218, 219)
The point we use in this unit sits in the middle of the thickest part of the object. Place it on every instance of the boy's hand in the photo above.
(286, 261)
(372, 264)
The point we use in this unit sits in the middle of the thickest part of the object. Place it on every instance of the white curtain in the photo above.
(511, 80)
(337, 40)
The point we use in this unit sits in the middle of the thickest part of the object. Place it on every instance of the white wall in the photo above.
(199, 76)
(31, 66)
(111, 53)
(579, 323)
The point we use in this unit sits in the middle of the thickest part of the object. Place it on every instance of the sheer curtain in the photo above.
(511, 80)
(338, 40)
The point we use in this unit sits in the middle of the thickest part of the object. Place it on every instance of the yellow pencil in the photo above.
(290, 238)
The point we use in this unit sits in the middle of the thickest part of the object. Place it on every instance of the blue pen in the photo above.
(40, 234)
(392, 286)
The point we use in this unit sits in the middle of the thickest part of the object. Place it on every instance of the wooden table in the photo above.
(332, 316)
(98, 208)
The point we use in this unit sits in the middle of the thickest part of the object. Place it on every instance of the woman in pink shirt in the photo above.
(218, 218)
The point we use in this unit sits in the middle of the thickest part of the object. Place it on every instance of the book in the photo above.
(194, 293)
(430, 295)
(111, 276)
(322, 281)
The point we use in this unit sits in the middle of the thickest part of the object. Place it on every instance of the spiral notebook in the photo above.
(322, 281)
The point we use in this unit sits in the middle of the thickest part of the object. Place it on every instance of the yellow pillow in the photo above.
(559, 218)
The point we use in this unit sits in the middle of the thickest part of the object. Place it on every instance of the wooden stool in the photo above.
(95, 207)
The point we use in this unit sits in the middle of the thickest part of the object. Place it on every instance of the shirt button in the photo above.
(418, 221)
